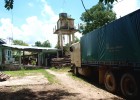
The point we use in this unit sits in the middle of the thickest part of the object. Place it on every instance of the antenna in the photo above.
(63, 4)
(12, 26)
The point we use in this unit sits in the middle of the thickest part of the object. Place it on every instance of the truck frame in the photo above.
(111, 54)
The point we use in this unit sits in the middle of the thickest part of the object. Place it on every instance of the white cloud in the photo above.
(30, 32)
(37, 30)
(125, 7)
(78, 35)
(30, 4)
(6, 28)
(47, 10)
(34, 29)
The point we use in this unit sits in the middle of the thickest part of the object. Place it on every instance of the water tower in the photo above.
(65, 26)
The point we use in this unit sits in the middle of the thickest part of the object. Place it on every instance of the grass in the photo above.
(21, 73)
(51, 78)
(75, 77)
(66, 69)
(61, 70)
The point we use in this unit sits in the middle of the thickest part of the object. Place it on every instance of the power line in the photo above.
(89, 13)
(86, 9)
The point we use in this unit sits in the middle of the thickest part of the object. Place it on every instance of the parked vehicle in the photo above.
(112, 55)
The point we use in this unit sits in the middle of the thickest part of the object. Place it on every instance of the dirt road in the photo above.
(38, 88)
(84, 90)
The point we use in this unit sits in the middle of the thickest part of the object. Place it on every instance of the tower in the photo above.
(65, 26)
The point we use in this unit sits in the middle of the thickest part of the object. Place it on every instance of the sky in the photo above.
(34, 20)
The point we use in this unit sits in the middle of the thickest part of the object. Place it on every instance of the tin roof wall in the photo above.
(30, 48)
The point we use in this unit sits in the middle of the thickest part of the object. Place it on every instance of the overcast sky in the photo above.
(34, 20)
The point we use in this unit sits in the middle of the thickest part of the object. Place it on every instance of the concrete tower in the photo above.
(65, 26)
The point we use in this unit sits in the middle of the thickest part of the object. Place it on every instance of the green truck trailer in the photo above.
(112, 55)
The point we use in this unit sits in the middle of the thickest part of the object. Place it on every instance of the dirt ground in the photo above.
(38, 88)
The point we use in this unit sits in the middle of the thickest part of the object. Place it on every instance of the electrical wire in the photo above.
(84, 6)
(85, 9)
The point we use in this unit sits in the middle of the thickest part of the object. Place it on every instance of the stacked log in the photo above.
(3, 77)
(61, 62)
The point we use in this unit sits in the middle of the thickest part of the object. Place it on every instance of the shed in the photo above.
(40, 52)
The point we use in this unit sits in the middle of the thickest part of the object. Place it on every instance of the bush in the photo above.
(33, 62)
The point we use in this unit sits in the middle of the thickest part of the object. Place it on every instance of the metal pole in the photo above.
(72, 37)
(38, 59)
(20, 58)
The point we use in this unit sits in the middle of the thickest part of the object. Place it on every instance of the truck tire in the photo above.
(110, 82)
(76, 71)
(129, 86)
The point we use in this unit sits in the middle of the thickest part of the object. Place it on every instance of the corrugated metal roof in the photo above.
(29, 47)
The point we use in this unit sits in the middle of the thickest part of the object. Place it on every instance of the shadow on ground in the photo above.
(28, 94)
(55, 94)
(94, 81)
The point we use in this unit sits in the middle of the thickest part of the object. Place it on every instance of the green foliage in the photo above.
(61, 70)
(9, 4)
(20, 73)
(65, 49)
(56, 46)
(19, 42)
(96, 17)
(51, 78)
(33, 62)
(44, 44)
(65, 70)
(67, 46)
(107, 1)
(38, 44)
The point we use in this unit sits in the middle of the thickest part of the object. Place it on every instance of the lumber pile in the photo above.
(3, 77)
(61, 62)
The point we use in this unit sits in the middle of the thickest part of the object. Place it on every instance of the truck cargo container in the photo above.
(111, 54)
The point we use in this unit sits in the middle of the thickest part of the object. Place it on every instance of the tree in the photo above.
(107, 1)
(96, 17)
(9, 4)
(38, 44)
(19, 42)
(46, 44)
(15, 52)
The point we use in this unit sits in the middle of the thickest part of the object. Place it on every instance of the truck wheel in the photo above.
(129, 86)
(110, 82)
(76, 71)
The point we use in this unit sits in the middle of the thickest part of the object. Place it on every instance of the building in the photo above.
(27, 55)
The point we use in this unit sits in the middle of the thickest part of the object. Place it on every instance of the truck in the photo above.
(111, 54)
